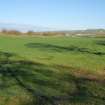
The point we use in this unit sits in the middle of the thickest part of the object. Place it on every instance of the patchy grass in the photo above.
(52, 71)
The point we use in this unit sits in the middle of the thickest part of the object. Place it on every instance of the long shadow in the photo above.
(28, 75)
(102, 43)
(60, 49)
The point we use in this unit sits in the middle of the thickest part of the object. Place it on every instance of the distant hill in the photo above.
(88, 32)
(38, 30)
(22, 27)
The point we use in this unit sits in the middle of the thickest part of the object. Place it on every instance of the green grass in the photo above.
(42, 53)
(46, 70)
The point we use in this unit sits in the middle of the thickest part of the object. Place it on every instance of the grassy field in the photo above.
(52, 71)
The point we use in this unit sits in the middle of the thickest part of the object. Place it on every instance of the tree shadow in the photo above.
(102, 43)
(46, 85)
(60, 49)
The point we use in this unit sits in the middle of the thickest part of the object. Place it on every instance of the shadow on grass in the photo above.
(60, 49)
(102, 43)
(46, 85)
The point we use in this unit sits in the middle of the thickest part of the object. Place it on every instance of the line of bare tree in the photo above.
(30, 33)
(97, 32)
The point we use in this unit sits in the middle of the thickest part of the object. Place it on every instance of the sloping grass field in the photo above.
(52, 70)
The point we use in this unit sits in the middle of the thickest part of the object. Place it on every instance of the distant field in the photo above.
(52, 71)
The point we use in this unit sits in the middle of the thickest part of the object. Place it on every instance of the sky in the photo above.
(57, 14)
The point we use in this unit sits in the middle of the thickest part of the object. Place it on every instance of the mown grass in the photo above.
(52, 71)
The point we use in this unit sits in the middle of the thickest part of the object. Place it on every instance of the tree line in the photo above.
(90, 32)
(30, 33)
